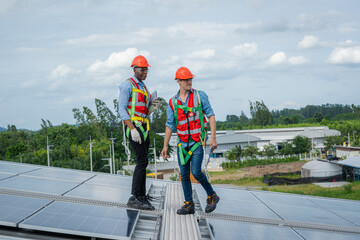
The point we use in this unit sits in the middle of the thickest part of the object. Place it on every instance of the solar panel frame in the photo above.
(13, 209)
(40, 185)
(79, 219)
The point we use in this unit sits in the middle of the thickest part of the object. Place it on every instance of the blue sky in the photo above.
(60, 55)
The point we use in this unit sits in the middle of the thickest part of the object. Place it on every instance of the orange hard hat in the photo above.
(183, 73)
(140, 61)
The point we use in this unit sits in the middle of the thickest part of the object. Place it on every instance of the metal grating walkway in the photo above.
(178, 227)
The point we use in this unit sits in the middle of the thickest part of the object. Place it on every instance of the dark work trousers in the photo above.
(141, 152)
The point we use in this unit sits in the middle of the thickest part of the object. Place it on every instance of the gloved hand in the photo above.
(135, 135)
(156, 103)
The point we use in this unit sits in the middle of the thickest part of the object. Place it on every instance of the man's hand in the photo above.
(135, 135)
(213, 143)
(164, 152)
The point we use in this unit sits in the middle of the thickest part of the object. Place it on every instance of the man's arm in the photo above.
(168, 133)
(213, 142)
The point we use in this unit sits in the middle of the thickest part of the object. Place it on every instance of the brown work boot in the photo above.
(211, 203)
(188, 208)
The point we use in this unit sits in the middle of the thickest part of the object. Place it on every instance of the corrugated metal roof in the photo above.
(351, 162)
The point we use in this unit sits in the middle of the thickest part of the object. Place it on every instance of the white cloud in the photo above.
(245, 50)
(117, 60)
(61, 71)
(345, 55)
(29, 84)
(28, 50)
(277, 58)
(202, 54)
(298, 60)
(309, 42)
(202, 30)
(287, 104)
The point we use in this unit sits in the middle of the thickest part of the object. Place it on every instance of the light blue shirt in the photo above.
(170, 122)
(124, 94)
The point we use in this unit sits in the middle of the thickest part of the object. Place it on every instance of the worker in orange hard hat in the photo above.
(187, 115)
(135, 105)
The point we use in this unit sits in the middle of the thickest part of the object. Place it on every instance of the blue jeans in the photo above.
(195, 164)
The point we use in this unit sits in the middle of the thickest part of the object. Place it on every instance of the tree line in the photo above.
(70, 144)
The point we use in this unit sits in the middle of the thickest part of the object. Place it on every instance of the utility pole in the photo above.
(155, 160)
(109, 161)
(91, 145)
(113, 152)
(48, 150)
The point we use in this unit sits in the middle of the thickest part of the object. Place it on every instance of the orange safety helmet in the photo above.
(140, 61)
(183, 73)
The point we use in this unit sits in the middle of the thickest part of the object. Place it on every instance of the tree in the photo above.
(287, 148)
(250, 151)
(232, 118)
(301, 144)
(318, 116)
(331, 141)
(244, 120)
(260, 114)
(270, 150)
(234, 153)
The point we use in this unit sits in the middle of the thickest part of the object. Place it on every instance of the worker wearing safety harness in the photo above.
(186, 115)
(134, 109)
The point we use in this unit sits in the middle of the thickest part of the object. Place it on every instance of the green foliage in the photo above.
(257, 162)
(260, 114)
(250, 151)
(234, 153)
(301, 144)
(269, 150)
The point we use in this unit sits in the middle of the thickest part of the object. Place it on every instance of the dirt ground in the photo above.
(259, 171)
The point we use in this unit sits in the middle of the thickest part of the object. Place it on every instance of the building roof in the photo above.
(236, 138)
(350, 162)
(346, 148)
(39, 202)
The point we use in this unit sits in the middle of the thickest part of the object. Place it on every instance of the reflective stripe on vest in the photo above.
(138, 107)
(186, 124)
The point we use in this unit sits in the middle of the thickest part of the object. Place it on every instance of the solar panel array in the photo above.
(65, 217)
(52, 206)
(279, 206)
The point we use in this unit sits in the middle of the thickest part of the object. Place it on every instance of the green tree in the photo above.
(287, 148)
(260, 114)
(331, 141)
(270, 150)
(301, 144)
(234, 153)
(250, 151)
(232, 118)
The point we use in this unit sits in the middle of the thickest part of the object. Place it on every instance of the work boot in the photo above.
(136, 202)
(188, 208)
(211, 203)
(145, 199)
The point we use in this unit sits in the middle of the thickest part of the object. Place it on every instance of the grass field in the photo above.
(350, 191)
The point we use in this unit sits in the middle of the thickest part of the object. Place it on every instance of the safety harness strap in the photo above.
(188, 154)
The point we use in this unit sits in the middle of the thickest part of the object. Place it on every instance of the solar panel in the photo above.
(229, 230)
(7, 167)
(316, 234)
(84, 220)
(61, 174)
(116, 181)
(299, 208)
(5, 175)
(240, 202)
(15, 208)
(37, 184)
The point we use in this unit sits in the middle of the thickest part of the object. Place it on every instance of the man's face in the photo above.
(185, 84)
(141, 73)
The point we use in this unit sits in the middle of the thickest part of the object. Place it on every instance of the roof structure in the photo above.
(38, 202)
(350, 162)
